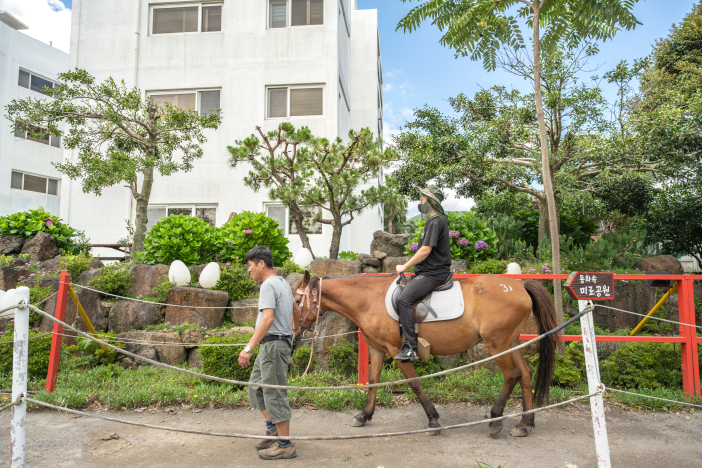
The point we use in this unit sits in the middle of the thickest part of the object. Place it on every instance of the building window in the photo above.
(40, 135)
(295, 102)
(33, 183)
(205, 101)
(193, 18)
(286, 222)
(207, 213)
(302, 13)
(35, 83)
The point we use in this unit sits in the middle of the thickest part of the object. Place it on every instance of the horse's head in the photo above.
(308, 296)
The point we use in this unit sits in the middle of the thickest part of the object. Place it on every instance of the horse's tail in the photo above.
(545, 313)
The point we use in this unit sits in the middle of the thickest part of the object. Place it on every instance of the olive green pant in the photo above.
(271, 367)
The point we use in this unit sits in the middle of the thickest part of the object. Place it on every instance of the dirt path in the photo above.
(561, 438)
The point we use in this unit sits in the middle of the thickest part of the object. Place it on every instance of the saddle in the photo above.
(445, 302)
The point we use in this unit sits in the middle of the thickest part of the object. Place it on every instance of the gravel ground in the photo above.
(562, 438)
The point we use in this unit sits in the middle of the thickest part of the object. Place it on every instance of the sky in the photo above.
(417, 70)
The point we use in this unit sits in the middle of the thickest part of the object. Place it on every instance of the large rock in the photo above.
(392, 244)
(245, 311)
(322, 267)
(131, 315)
(52, 265)
(370, 269)
(389, 263)
(369, 260)
(193, 336)
(634, 296)
(11, 245)
(90, 300)
(459, 266)
(211, 316)
(41, 247)
(166, 353)
(663, 263)
(89, 275)
(293, 279)
(195, 358)
(11, 275)
(331, 323)
(379, 255)
(145, 278)
(43, 282)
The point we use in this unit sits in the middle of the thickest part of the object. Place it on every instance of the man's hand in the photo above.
(244, 358)
(401, 268)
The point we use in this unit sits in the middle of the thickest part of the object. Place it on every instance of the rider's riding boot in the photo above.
(407, 354)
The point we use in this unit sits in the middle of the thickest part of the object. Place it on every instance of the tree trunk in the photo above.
(336, 239)
(543, 220)
(391, 226)
(298, 219)
(546, 174)
(142, 203)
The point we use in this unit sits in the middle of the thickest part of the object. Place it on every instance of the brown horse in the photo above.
(496, 310)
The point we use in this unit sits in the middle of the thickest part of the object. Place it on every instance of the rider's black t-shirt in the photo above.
(437, 265)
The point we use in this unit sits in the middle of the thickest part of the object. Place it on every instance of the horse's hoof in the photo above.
(518, 432)
(434, 425)
(355, 422)
(494, 430)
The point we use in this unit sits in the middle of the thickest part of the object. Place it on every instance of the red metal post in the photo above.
(56, 340)
(690, 360)
(362, 359)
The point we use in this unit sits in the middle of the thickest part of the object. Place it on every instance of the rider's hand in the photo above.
(400, 269)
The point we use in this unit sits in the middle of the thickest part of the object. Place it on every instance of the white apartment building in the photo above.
(27, 66)
(314, 63)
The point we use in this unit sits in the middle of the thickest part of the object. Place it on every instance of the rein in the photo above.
(311, 305)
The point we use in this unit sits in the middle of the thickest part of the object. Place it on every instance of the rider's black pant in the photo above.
(419, 287)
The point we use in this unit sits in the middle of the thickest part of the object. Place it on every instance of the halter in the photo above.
(314, 303)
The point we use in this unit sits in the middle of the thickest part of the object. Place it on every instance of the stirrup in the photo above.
(407, 354)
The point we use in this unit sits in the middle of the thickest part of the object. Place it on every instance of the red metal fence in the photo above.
(688, 338)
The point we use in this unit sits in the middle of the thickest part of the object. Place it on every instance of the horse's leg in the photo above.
(416, 386)
(376, 366)
(512, 374)
(520, 430)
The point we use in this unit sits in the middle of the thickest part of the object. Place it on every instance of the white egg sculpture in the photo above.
(178, 273)
(7, 298)
(303, 258)
(210, 275)
(514, 269)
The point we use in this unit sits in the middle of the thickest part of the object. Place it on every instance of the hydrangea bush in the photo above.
(471, 238)
(247, 230)
(27, 223)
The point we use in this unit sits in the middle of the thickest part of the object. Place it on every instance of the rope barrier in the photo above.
(356, 436)
(17, 402)
(285, 387)
(650, 317)
(654, 398)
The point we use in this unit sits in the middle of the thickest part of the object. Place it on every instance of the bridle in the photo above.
(314, 303)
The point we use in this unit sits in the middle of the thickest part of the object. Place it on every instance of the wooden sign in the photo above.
(588, 286)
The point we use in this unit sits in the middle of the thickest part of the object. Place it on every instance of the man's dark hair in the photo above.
(259, 253)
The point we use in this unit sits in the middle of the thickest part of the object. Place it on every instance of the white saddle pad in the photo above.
(448, 305)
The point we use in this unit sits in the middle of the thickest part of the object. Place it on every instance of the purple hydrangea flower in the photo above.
(481, 245)
(462, 242)
(49, 222)
(414, 246)
(218, 256)
(454, 234)
(248, 231)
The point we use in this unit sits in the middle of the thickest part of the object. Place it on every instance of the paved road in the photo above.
(562, 437)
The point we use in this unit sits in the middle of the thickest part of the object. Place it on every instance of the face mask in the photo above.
(424, 208)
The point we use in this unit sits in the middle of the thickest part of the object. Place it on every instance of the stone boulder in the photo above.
(211, 315)
(131, 315)
(145, 278)
(370, 269)
(192, 336)
(635, 296)
(322, 267)
(331, 323)
(11, 275)
(392, 244)
(389, 263)
(53, 264)
(195, 358)
(89, 275)
(41, 247)
(166, 353)
(11, 245)
(245, 311)
(369, 260)
(662, 263)
(43, 282)
(459, 266)
(379, 255)
(90, 300)
(293, 279)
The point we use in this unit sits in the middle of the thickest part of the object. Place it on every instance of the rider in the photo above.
(432, 263)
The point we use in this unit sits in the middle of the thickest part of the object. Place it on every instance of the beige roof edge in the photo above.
(11, 21)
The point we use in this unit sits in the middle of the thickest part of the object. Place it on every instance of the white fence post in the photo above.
(593, 381)
(19, 379)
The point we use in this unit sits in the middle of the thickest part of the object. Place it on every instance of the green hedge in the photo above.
(27, 223)
(39, 350)
(343, 358)
(650, 365)
(222, 361)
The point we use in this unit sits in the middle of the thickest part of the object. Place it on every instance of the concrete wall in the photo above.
(242, 61)
(17, 50)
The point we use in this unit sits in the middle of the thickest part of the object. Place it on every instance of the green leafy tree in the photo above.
(496, 203)
(394, 210)
(120, 136)
(479, 28)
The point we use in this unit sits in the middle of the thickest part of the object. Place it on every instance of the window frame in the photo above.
(52, 138)
(197, 92)
(54, 83)
(199, 5)
(288, 16)
(48, 178)
(288, 219)
(192, 206)
(290, 87)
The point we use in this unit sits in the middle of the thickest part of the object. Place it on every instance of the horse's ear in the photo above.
(306, 279)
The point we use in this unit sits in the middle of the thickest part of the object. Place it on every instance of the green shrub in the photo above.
(115, 279)
(76, 264)
(236, 281)
(89, 353)
(290, 267)
(179, 237)
(569, 369)
(343, 358)
(39, 350)
(431, 366)
(37, 295)
(579, 228)
(162, 288)
(6, 260)
(299, 360)
(636, 365)
(27, 223)
(491, 266)
(471, 230)
(248, 230)
(348, 255)
(222, 361)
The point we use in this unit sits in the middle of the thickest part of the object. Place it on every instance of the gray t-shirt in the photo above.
(277, 295)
